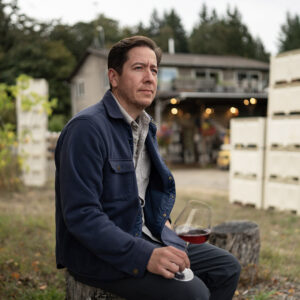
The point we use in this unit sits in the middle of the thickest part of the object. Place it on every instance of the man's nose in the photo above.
(149, 76)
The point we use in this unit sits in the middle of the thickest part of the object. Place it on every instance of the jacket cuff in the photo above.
(140, 261)
(170, 238)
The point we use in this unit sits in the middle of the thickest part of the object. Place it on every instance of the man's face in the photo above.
(136, 87)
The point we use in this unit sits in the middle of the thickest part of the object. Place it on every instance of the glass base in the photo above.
(185, 275)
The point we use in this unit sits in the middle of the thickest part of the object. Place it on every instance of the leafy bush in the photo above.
(12, 162)
(57, 123)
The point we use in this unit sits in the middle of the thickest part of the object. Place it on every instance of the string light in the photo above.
(234, 110)
(253, 101)
(209, 111)
(174, 111)
(173, 101)
(246, 101)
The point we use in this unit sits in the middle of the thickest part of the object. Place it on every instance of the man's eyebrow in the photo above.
(144, 64)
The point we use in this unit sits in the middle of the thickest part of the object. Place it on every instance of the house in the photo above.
(196, 98)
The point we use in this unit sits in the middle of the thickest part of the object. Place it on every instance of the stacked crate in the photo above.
(282, 180)
(32, 129)
(247, 161)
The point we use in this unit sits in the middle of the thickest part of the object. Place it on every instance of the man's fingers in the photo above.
(180, 258)
(166, 261)
(166, 273)
(178, 261)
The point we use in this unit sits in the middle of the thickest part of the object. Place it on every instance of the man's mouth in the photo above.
(146, 91)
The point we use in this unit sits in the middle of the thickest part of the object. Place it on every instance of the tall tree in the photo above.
(161, 29)
(172, 21)
(110, 28)
(289, 36)
(225, 36)
(25, 47)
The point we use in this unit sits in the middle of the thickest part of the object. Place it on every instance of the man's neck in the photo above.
(134, 112)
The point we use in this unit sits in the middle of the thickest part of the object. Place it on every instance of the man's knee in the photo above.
(197, 294)
(235, 266)
(232, 269)
(192, 290)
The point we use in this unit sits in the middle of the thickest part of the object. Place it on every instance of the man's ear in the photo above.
(113, 77)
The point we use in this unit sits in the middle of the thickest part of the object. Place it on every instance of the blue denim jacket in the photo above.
(98, 212)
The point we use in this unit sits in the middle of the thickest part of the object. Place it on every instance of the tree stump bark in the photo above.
(242, 239)
(76, 290)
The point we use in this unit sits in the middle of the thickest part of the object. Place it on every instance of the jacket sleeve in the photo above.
(80, 155)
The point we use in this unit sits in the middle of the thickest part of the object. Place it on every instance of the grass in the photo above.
(27, 241)
(279, 231)
(263, 295)
(27, 262)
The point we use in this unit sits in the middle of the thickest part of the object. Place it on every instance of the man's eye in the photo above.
(138, 68)
(154, 71)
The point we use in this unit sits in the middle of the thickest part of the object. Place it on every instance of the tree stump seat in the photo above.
(240, 238)
(76, 290)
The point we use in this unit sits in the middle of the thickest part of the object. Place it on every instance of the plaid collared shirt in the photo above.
(141, 160)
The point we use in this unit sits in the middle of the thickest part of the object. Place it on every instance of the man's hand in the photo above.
(166, 261)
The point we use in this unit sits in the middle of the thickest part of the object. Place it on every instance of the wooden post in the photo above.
(76, 290)
(241, 238)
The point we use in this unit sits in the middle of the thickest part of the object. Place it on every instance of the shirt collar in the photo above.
(143, 116)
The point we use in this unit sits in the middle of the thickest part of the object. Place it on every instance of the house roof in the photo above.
(213, 61)
(190, 60)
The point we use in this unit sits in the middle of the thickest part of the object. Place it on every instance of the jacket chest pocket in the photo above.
(119, 180)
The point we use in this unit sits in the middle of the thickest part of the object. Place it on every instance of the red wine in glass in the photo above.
(193, 226)
(195, 236)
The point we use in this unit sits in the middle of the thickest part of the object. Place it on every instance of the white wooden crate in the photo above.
(35, 177)
(246, 191)
(283, 132)
(280, 69)
(34, 148)
(247, 162)
(32, 119)
(283, 165)
(294, 65)
(282, 196)
(247, 131)
(39, 134)
(284, 101)
(36, 162)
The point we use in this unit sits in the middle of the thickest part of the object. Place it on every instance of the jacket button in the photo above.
(118, 168)
(170, 178)
(164, 215)
(135, 271)
(172, 196)
(136, 234)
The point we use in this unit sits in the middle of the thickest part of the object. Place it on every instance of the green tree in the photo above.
(25, 47)
(110, 28)
(161, 29)
(225, 36)
(289, 36)
(172, 28)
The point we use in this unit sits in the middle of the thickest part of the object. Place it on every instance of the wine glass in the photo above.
(193, 225)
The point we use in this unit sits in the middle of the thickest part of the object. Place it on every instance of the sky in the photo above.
(262, 17)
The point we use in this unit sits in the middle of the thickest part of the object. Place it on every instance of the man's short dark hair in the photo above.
(118, 54)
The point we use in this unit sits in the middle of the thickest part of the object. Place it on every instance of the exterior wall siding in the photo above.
(92, 75)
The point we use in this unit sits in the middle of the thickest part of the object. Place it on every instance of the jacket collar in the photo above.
(111, 106)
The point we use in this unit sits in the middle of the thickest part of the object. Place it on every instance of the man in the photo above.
(114, 195)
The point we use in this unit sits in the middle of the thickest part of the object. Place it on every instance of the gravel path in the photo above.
(205, 180)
